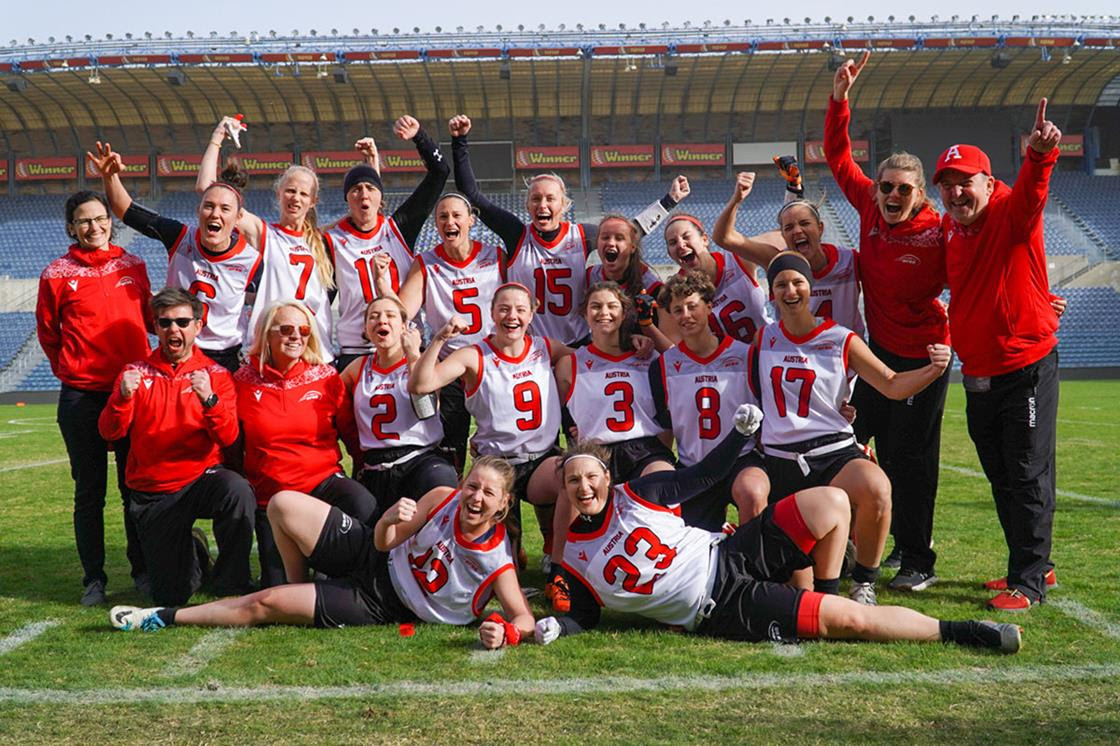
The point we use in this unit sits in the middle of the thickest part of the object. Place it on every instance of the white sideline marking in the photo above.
(486, 657)
(34, 465)
(1088, 617)
(26, 633)
(1062, 493)
(205, 650)
(214, 692)
(32, 420)
(783, 650)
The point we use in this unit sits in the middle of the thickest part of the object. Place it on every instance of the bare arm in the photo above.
(563, 374)
(411, 294)
(514, 605)
(757, 249)
(249, 225)
(890, 384)
(429, 373)
(405, 517)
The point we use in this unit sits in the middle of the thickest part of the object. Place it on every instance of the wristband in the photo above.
(512, 633)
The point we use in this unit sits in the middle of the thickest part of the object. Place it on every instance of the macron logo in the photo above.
(311, 396)
(147, 383)
(257, 394)
(73, 284)
(124, 281)
(582, 556)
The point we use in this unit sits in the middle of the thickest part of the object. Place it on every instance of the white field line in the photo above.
(33, 465)
(35, 421)
(1061, 493)
(486, 657)
(15, 433)
(783, 650)
(216, 693)
(26, 633)
(205, 650)
(1089, 617)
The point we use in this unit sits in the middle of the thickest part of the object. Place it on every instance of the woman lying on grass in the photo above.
(439, 559)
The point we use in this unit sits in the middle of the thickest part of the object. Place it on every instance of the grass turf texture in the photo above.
(628, 681)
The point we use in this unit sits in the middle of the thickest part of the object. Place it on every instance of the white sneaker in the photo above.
(863, 593)
(127, 618)
(748, 418)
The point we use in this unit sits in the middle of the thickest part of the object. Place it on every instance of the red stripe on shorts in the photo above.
(809, 615)
(787, 517)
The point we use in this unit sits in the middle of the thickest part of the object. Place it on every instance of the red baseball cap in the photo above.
(968, 159)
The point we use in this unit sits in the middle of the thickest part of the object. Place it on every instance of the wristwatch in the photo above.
(210, 402)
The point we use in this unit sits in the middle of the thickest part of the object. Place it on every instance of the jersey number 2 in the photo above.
(662, 555)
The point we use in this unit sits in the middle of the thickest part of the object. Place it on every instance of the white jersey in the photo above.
(610, 399)
(289, 273)
(461, 288)
(835, 293)
(651, 281)
(803, 382)
(739, 307)
(515, 404)
(556, 273)
(441, 575)
(702, 394)
(383, 409)
(354, 272)
(219, 281)
(645, 560)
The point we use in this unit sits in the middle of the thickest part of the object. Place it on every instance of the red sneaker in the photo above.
(558, 594)
(1010, 601)
(1000, 584)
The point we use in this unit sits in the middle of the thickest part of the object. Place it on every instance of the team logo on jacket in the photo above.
(147, 382)
(73, 284)
(909, 259)
(311, 396)
(124, 281)
(582, 556)
(677, 365)
(257, 394)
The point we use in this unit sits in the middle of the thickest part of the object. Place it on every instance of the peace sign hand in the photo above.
(106, 161)
(1046, 135)
(846, 76)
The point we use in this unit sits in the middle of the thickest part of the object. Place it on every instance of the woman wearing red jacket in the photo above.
(290, 404)
(91, 320)
(902, 270)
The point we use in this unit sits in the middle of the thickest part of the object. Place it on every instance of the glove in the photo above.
(791, 172)
(748, 418)
(546, 630)
(235, 128)
(645, 306)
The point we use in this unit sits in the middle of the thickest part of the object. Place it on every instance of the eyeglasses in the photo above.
(86, 223)
(904, 189)
(182, 322)
(286, 330)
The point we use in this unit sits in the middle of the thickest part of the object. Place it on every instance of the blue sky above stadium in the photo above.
(44, 18)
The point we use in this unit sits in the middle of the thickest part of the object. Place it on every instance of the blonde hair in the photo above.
(312, 234)
(505, 473)
(903, 161)
(312, 353)
(549, 177)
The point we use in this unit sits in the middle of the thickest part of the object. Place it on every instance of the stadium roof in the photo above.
(70, 91)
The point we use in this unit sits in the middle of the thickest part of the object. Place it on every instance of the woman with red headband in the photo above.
(212, 261)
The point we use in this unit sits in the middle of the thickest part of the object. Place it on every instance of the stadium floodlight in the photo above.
(17, 85)
(504, 70)
(176, 77)
(69, 38)
(1000, 60)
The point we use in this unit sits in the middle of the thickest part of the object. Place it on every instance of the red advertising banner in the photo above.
(43, 169)
(693, 155)
(135, 166)
(401, 161)
(814, 151)
(262, 163)
(341, 161)
(1070, 145)
(547, 158)
(621, 156)
(178, 165)
(4, 169)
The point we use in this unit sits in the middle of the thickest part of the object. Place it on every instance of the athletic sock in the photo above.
(863, 574)
(830, 587)
(167, 615)
(970, 633)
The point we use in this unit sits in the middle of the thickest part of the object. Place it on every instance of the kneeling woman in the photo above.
(729, 587)
(440, 559)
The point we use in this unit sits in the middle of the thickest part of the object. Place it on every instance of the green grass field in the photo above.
(81, 681)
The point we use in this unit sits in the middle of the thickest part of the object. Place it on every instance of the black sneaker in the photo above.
(912, 580)
(94, 593)
(894, 559)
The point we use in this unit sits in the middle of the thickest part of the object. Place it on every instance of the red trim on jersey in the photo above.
(238, 246)
(476, 247)
(520, 358)
(582, 240)
(809, 615)
(478, 382)
(576, 574)
(183, 231)
(607, 356)
(423, 278)
(788, 517)
(549, 245)
(824, 325)
(847, 344)
(574, 537)
(288, 231)
(440, 507)
(348, 225)
(496, 538)
(378, 369)
(572, 386)
(747, 267)
(483, 595)
(831, 257)
(720, 349)
(720, 266)
(675, 510)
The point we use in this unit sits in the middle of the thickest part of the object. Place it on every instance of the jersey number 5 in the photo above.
(550, 287)
(662, 555)
(459, 298)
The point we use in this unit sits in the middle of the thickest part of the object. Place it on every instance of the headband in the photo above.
(788, 260)
(574, 456)
(458, 196)
(689, 218)
(232, 188)
(517, 285)
(812, 208)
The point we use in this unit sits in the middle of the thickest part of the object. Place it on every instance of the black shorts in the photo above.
(751, 601)
(629, 457)
(785, 474)
(709, 509)
(362, 593)
(522, 473)
(412, 479)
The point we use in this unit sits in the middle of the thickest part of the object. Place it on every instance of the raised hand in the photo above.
(679, 189)
(368, 148)
(406, 127)
(410, 341)
(846, 76)
(459, 125)
(791, 172)
(200, 384)
(130, 381)
(1046, 135)
(455, 326)
(106, 161)
(744, 183)
(381, 264)
(402, 510)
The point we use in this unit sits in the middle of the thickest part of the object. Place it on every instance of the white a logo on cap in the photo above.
(953, 154)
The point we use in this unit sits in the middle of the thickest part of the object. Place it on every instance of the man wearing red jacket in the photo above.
(1003, 328)
(178, 407)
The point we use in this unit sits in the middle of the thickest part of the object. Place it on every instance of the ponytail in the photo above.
(314, 239)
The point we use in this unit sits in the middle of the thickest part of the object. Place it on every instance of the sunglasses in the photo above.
(904, 190)
(182, 322)
(286, 330)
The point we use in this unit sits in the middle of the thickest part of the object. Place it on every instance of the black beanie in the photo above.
(788, 260)
(361, 174)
